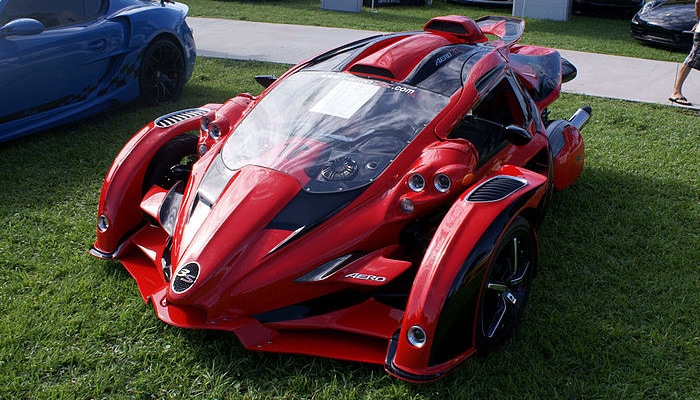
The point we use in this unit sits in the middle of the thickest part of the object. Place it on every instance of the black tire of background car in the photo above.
(506, 287)
(171, 163)
(162, 72)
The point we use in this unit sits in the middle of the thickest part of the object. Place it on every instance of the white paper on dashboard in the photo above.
(345, 99)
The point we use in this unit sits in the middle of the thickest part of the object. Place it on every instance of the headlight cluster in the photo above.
(420, 192)
(441, 182)
(212, 130)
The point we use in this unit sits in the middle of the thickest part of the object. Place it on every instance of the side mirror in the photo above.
(568, 70)
(21, 26)
(265, 80)
(517, 135)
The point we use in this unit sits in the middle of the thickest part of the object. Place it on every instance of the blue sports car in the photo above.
(62, 60)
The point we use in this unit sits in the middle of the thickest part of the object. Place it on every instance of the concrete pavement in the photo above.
(598, 74)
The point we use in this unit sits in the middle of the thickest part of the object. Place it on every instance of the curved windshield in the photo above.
(331, 131)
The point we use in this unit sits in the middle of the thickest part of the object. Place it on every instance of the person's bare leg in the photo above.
(683, 72)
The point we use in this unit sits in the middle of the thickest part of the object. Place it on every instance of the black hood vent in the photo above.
(437, 25)
(372, 70)
(496, 189)
(178, 116)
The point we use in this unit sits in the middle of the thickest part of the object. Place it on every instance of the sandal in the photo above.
(680, 100)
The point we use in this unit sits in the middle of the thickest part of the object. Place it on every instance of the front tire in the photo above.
(507, 286)
(162, 73)
(172, 163)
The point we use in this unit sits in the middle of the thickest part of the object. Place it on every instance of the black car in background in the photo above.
(665, 23)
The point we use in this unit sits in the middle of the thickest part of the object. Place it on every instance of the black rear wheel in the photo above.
(507, 286)
(162, 73)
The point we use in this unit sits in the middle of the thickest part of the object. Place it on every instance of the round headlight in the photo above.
(204, 123)
(214, 131)
(417, 336)
(102, 223)
(442, 182)
(416, 182)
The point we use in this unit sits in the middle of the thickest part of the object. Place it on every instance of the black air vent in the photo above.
(371, 70)
(179, 116)
(449, 27)
(496, 189)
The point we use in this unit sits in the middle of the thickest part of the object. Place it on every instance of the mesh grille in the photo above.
(179, 116)
(496, 189)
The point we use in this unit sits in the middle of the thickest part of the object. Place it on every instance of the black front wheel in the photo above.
(162, 73)
(172, 163)
(507, 286)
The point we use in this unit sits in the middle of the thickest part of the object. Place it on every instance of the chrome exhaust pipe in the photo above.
(581, 116)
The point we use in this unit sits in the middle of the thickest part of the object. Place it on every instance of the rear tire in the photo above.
(507, 286)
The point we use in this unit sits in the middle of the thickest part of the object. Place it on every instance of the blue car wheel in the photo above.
(162, 73)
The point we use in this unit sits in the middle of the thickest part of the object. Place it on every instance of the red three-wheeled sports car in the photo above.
(377, 203)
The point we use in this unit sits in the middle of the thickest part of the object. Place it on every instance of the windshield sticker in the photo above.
(345, 99)
(396, 88)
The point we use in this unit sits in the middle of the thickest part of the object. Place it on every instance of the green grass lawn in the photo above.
(612, 313)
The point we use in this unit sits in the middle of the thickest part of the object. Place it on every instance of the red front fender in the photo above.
(456, 261)
(122, 189)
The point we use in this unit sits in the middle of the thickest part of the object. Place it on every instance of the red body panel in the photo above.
(568, 164)
(265, 238)
(463, 226)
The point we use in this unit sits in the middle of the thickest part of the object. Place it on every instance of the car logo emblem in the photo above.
(185, 277)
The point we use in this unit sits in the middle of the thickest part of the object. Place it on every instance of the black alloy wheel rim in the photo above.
(164, 70)
(507, 286)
